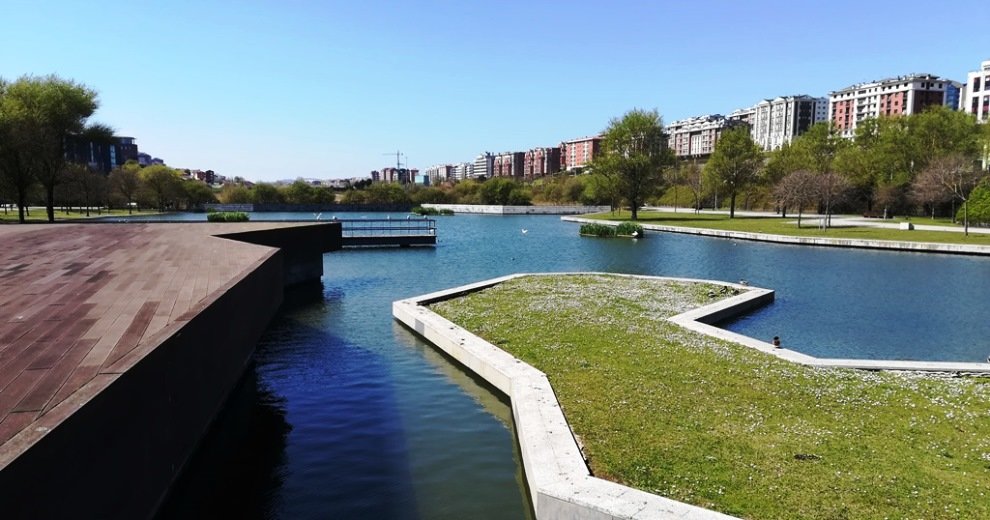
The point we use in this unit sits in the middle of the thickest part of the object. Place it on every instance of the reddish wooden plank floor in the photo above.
(78, 298)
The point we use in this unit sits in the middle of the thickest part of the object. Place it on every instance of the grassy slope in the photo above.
(781, 226)
(39, 215)
(721, 426)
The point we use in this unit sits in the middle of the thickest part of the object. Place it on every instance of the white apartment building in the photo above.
(483, 165)
(464, 170)
(439, 173)
(696, 136)
(976, 99)
(903, 95)
(778, 121)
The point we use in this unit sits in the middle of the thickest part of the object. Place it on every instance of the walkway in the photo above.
(85, 301)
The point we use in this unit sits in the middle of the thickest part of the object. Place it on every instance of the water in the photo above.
(346, 414)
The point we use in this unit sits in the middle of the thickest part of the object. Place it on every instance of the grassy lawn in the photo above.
(782, 226)
(38, 214)
(721, 426)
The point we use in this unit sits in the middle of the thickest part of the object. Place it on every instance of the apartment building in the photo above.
(540, 162)
(903, 95)
(976, 100)
(508, 164)
(696, 136)
(483, 165)
(578, 152)
(439, 173)
(99, 155)
(776, 122)
(464, 170)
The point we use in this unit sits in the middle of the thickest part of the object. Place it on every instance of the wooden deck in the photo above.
(79, 302)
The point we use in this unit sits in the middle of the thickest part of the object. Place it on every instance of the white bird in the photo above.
(635, 234)
(318, 215)
(524, 231)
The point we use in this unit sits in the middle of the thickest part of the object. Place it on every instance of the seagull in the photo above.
(743, 282)
(524, 231)
(318, 215)
(635, 234)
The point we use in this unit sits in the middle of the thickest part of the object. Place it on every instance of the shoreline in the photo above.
(852, 243)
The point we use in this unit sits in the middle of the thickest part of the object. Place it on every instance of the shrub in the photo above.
(597, 230)
(447, 212)
(628, 228)
(227, 216)
(420, 210)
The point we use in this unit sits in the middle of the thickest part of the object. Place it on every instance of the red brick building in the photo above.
(540, 162)
(579, 152)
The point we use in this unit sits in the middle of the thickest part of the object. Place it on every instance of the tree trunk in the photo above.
(50, 202)
(965, 218)
(799, 217)
(21, 202)
(732, 204)
(633, 207)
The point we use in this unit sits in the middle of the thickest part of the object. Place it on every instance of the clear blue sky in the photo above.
(281, 89)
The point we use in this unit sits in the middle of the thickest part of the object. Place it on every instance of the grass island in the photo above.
(718, 425)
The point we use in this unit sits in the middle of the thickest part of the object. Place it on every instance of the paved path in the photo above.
(82, 300)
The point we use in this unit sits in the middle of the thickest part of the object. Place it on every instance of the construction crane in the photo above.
(398, 162)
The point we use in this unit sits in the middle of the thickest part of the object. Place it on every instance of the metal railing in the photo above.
(383, 227)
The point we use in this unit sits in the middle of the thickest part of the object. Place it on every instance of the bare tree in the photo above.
(694, 179)
(798, 190)
(926, 189)
(831, 188)
(958, 175)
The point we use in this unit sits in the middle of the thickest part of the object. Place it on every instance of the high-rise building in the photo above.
(578, 152)
(696, 136)
(540, 162)
(99, 155)
(508, 164)
(903, 95)
(778, 121)
(463, 171)
(976, 101)
(483, 165)
(440, 173)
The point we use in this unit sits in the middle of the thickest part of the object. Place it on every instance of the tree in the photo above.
(161, 184)
(90, 187)
(633, 156)
(48, 111)
(264, 193)
(831, 189)
(503, 192)
(126, 181)
(941, 131)
(197, 193)
(386, 193)
(735, 163)
(979, 205)
(958, 175)
(926, 189)
(17, 139)
(299, 192)
(797, 189)
(234, 193)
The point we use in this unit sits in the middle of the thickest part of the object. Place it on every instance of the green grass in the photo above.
(38, 214)
(782, 226)
(721, 426)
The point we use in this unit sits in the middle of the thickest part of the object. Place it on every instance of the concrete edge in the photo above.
(855, 243)
(560, 482)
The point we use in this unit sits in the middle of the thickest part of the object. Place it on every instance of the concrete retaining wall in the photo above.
(560, 482)
(519, 210)
(919, 247)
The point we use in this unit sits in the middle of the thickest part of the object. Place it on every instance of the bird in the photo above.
(743, 282)
(524, 231)
(318, 215)
(635, 234)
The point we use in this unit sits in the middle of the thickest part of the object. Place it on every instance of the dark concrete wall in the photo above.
(302, 248)
(118, 454)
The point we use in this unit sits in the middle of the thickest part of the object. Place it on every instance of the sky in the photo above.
(271, 90)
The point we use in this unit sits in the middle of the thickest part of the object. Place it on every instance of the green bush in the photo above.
(447, 212)
(420, 210)
(629, 229)
(227, 216)
(597, 230)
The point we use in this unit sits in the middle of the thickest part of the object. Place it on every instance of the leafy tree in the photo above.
(958, 175)
(979, 205)
(504, 192)
(797, 189)
(299, 192)
(161, 185)
(941, 131)
(17, 133)
(88, 186)
(386, 193)
(197, 193)
(735, 163)
(126, 181)
(634, 154)
(264, 193)
(234, 193)
(46, 111)
(354, 196)
(430, 195)
(466, 192)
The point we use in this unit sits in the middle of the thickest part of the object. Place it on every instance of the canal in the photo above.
(346, 414)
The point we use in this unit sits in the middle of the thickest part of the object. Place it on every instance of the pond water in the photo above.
(346, 414)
